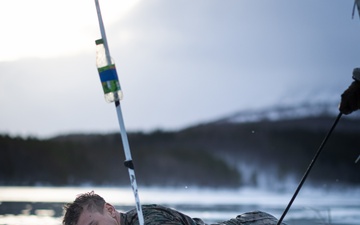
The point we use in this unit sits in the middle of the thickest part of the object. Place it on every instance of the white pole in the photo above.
(128, 162)
(103, 34)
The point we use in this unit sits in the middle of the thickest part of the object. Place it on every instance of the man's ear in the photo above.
(110, 209)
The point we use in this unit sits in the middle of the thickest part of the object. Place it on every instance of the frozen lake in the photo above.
(43, 205)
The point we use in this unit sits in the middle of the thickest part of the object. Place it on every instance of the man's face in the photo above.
(95, 218)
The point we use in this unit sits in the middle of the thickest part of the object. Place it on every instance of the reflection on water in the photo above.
(30, 213)
(43, 205)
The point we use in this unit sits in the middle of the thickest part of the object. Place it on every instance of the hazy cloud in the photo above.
(179, 62)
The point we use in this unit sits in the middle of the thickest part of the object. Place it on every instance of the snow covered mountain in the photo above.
(285, 112)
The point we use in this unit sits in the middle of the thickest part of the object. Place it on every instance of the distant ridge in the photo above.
(268, 148)
(284, 112)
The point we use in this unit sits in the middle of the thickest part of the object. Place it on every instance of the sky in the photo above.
(180, 62)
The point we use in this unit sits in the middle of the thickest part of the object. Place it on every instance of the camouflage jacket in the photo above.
(160, 215)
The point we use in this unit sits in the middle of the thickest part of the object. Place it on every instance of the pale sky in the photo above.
(180, 62)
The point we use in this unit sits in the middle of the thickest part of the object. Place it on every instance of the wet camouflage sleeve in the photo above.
(157, 215)
(252, 218)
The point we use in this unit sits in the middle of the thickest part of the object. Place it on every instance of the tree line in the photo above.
(207, 155)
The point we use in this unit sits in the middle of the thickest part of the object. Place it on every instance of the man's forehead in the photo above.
(87, 217)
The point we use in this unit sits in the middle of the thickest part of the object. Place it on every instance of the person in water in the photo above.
(92, 209)
(350, 99)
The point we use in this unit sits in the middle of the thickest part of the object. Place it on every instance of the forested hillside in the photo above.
(218, 154)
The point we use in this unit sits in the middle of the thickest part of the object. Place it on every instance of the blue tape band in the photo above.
(108, 75)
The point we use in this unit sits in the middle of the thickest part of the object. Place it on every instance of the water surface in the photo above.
(43, 205)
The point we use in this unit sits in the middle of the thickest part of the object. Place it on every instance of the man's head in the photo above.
(87, 208)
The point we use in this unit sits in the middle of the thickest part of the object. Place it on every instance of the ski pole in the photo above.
(112, 90)
(309, 168)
